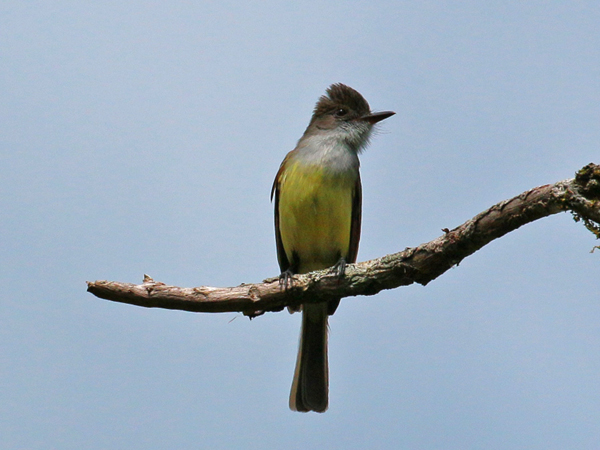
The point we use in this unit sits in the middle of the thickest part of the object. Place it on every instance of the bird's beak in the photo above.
(373, 118)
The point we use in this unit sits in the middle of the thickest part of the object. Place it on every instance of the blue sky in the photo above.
(143, 137)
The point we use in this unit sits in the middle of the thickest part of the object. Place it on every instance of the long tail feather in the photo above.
(310, 388)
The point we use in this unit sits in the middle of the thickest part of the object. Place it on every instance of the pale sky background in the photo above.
(143, 137)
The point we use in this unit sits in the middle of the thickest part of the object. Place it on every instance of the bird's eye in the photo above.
(341, 112)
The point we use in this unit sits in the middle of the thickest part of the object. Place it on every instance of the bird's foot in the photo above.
(286, 278)
(340, 268)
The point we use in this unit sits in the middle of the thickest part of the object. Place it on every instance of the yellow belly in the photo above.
(315, 215)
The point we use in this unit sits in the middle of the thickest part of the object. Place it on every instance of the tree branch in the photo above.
(580, 195)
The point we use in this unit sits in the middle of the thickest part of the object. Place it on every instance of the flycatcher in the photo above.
(317, 221)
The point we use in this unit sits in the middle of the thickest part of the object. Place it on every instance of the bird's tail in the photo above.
(310, 388)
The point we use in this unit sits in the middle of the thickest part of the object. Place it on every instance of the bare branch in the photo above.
(421, 264)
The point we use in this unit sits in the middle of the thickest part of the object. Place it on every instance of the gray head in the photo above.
(344, 114)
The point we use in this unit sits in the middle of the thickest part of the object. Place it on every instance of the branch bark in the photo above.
(422, 264)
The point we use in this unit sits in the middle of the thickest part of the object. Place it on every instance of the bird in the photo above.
(318, 203)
